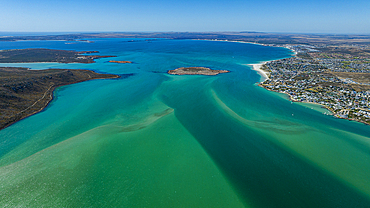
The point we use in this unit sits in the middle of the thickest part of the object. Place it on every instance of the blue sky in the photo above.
(192, 15)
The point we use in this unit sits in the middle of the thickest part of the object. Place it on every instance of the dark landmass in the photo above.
(25, 92)
(121, 62)
(33, 55)
(195, 71)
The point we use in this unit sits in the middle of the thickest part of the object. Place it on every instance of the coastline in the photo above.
(234, 41)
(322, 106)
(47, 98)
(261, 44)
(257, 68)
(294, 100)
(45, 55)
(265, 76)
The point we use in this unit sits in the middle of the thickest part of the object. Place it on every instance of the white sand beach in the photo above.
(257, 67)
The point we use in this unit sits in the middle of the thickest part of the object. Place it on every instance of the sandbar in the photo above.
(257, 67)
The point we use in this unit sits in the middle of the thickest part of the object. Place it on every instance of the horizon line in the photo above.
(89, 32)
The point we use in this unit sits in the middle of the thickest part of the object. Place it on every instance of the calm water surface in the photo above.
(151, 139)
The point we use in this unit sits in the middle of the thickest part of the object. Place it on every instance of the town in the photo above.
(338, 81)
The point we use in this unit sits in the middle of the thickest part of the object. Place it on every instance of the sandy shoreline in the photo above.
(265, 76)
(257, 67)
(233, 41)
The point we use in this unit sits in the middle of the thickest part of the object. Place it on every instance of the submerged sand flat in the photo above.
(155, 140)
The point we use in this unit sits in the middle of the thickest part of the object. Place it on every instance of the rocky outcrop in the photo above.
(121, 62)
(196, 71)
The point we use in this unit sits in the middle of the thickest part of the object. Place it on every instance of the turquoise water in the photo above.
(151, 139)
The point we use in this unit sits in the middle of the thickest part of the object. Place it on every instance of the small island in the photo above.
(120, 62)
(25, 92)
(196, 71)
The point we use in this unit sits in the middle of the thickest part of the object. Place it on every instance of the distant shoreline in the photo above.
(44, 55)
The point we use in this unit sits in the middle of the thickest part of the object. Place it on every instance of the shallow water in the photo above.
(151, 139)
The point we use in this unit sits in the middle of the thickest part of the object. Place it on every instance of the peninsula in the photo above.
(196, 71)
(34, 55)
(25, 92)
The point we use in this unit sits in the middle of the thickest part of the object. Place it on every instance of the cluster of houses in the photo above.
(346, 65)
(309, 80)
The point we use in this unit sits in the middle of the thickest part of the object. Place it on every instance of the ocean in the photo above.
(150, 139)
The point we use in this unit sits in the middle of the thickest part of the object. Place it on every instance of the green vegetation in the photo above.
(304, 56)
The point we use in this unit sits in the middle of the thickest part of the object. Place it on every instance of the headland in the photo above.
(25, 92)
(37, 55)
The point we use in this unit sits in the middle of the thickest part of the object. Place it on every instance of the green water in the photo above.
(151, 139)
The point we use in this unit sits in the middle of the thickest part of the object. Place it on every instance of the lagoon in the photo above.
(151, 139)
